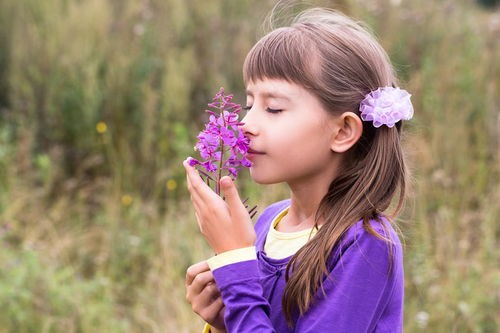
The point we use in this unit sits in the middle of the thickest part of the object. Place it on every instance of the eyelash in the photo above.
(273, 111)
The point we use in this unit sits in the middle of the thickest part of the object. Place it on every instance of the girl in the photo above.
(324, 116)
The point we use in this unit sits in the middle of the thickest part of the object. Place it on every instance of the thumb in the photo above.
(231, 194)
(242, 228)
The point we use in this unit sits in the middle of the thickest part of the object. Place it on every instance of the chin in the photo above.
(263, 179)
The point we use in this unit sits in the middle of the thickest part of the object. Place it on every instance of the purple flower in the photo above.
(222, 145)
(386, 106)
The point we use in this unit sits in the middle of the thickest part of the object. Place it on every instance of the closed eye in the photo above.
(273, 110)
(246, 108)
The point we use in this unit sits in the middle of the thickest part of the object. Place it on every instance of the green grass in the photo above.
(96, 228)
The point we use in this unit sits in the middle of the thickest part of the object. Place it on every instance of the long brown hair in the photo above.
(339, 61)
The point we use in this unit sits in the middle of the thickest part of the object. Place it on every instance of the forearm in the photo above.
(247, 310)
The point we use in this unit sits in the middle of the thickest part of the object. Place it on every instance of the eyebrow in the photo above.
(271, 94)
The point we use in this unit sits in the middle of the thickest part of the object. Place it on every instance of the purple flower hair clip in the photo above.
(386, 106)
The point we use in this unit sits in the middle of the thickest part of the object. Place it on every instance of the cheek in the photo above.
(310, 143)
(309, 151)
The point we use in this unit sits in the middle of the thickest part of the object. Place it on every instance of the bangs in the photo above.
(285, 54)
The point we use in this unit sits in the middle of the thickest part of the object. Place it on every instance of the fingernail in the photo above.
(226, 181)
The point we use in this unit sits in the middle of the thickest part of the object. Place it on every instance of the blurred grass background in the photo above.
(101, 100)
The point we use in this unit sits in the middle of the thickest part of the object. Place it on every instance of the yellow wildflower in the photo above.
(127, 200)
(101, 127)
(171, 184)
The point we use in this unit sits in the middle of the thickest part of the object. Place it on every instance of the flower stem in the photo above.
(221, 144)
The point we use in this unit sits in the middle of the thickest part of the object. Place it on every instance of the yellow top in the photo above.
(280, 244)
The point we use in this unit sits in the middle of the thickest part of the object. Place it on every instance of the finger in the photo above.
(236, 207)
(194, 270)
(198, 207)
(194, 195)
(211, 312)
(212, 291)
(230, 191)
(188, 181)
(191, 174)
(208, 302)
(200, 192)
(198, 203)
(195, 182)
(199, 283)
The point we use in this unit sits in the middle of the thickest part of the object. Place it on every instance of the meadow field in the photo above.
(101, 101)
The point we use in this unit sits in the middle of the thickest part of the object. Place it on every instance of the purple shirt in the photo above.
(364, 291)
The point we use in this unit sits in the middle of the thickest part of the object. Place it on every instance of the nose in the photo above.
(249, 125)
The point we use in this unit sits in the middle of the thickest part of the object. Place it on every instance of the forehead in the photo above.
(274, 88)
(292, 93)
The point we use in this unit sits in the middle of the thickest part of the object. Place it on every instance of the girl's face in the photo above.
(290, 134)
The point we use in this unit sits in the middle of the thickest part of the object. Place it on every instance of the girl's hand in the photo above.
(225, 225)
(204, 296)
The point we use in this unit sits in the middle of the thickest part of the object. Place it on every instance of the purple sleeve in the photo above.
(247, 310)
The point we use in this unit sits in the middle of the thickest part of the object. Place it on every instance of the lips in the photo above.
(254, 152)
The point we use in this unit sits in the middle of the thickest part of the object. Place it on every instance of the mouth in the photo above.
(254, 152)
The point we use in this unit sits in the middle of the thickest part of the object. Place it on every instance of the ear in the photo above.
(348, 130)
